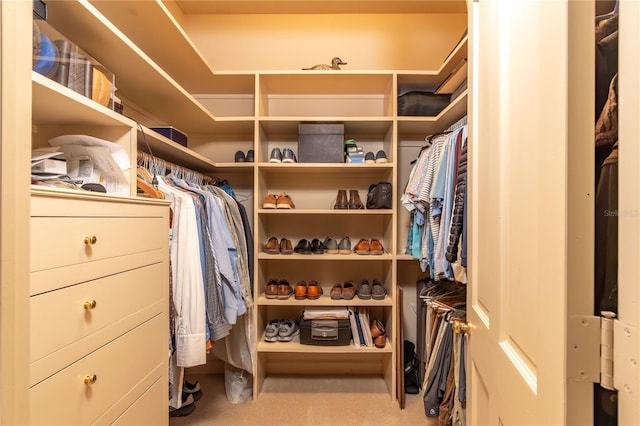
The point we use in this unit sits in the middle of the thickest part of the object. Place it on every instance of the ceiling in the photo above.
(320, 7)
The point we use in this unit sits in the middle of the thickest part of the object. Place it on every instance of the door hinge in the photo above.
(603, 350)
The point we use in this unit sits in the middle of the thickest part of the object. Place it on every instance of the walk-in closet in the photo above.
(319, 212)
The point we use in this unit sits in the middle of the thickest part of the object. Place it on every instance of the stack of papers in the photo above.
(311, 313)
(47, 163)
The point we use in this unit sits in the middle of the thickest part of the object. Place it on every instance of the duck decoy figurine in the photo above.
(335, 65)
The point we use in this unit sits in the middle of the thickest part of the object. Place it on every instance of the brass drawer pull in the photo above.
(90, 240)
(90, 304)
(90, 379)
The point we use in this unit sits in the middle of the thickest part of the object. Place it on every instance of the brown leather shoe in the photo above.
(314, 291)
(354, 200)
(336, 292)
(362, 247)
(285, 202)
(270, 202)
(301, 290)
(285, 246)
(284, 290)
(380, 341)
(272, 246)
(341, 200)
(348, 290)
(375, 247)
(272, 289)
(377, 329)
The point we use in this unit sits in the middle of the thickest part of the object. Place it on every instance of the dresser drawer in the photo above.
(150, 409)
(64, 241)
(65, 398)
(60, 318)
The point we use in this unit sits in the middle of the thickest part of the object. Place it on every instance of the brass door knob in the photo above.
(90, 379)
(90, 240)
(460, 326)
(90, 304)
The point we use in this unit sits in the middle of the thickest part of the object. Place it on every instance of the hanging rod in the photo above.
(167, 166)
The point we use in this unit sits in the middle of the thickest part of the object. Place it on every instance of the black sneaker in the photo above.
(369, 158)
(192, 389)
(381, 157)
(239, 157)
(276, 156)
(288, 156)
(250, 155)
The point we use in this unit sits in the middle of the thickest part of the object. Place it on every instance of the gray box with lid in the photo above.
(320, 143)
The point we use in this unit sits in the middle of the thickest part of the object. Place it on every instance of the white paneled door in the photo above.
(518, 213)
(531, 213)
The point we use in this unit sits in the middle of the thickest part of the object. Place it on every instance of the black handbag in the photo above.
(379, 196)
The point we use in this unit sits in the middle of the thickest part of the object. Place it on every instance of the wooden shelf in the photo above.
(295, 347)
(324, 300)
(55, 104)
(355, 127)
(326, 257)
(149, 87)
(169, 150)
(326, 212)
(419, 127)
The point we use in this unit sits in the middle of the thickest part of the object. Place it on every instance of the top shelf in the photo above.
(139, 80)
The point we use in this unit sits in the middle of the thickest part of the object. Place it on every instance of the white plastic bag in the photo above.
(238, 384)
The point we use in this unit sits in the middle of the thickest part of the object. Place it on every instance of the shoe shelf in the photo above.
(324, 300)
(411, 125)
(326, 257)
(295, 346)
(348, 212)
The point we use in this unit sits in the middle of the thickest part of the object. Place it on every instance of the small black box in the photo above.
(325, 332)
(321, 143)
(172, 133)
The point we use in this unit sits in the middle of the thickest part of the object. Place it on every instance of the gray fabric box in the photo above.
(321, 143)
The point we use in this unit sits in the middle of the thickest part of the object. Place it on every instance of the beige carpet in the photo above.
(305, 401)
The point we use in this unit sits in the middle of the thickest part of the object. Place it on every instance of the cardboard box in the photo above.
(321, 143)
(325, 332)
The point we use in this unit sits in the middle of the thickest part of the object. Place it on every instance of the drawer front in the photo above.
(65, 398)
(150, 409)
(60, 318)
(64, 241)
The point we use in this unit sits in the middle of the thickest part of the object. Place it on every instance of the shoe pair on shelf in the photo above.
(240, 157)
(311, 291)
(346, 290)
(278, 289)
(273, 246)
(281, 330)
(380, 157)
(375, 290)
(353, 203)
(369, 246)
(305, 247)
(280, 201)
(285, 156)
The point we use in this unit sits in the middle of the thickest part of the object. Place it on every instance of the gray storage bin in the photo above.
(321, 143)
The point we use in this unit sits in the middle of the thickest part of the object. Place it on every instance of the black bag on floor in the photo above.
(411, 382)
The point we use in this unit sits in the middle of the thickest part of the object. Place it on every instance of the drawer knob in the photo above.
(90, 304)
(90, 240)
(90, 379)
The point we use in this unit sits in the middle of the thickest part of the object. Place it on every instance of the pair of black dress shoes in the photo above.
(306, 247)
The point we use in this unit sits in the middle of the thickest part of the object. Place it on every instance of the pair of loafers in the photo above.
(369, 246)
(280, 290)
(346, 290)
(375, 290)
(311, 291)
(305, 247)
(273, 246)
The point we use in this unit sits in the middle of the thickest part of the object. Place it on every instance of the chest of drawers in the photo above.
(98, 309)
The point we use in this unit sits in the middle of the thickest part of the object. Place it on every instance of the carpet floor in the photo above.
(304, 401)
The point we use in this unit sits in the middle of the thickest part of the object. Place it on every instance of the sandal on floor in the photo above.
(271, 331)
(288, 330)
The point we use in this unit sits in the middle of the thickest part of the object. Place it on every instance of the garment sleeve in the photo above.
(455, 230)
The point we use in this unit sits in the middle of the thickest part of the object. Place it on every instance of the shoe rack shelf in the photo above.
(324, 300)
(325, 257)
(295, 347)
